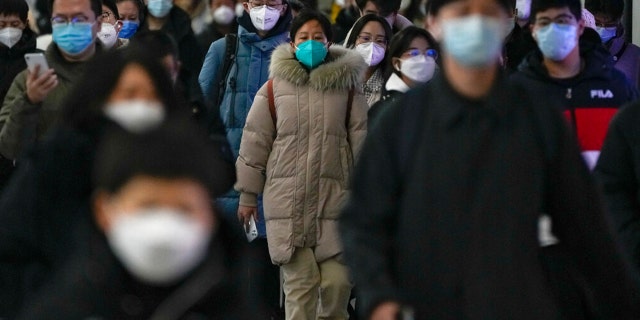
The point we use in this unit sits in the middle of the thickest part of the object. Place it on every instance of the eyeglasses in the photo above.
(272, 4)
(105, 16)
(365, 38)
(61, 20)
(563, 19)
(433, 53)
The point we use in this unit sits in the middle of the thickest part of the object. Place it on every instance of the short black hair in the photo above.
(433, 6)
(111, 4)
(538, 6)
(386, 7)
(15, 7)
(96, 7)
(156, 43)
(307, 15)
(401, 42)
(178, 149)
(359, 25)
(611, 8)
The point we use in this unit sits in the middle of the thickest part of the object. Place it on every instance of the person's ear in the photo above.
(283, 10)
(101, 206)
(97, 27)
(293, 45)
(396, 63)
(581, 27)
(532, 29)
(118, 25)
(246, 6)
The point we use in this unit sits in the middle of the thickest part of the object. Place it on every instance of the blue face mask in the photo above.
(73, 38)
(311, 53)
(129, 28)
(556, 41)
(159, 8)
(474, 41)
(607, 34)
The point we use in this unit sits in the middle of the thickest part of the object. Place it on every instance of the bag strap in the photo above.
(272, 103)
(231, 41)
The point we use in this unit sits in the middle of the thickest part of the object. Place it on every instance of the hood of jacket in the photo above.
(599, 64)
(342, 69)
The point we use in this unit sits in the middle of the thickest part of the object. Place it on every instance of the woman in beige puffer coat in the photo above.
(300, 158)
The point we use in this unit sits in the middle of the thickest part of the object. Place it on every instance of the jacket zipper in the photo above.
(574, 121)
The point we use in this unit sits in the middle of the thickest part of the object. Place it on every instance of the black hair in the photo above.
(111, 4)
(156, 43)
(433, 6)
(401, 42)
(385, 7)
(307, 15)
(538, 6)
(141, 8)
(96, 7)
(177, 149)
(84, 105)
(612, 8)
(359, 25)
(15, 7)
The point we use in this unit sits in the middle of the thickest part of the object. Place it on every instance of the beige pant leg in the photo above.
(335, 289)
(301, 285)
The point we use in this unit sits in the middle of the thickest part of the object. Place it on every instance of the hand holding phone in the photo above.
(40, 79)
(36, 62)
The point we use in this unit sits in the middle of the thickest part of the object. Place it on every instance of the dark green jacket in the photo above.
(23, 122)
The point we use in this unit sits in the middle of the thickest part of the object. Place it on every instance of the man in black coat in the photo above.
(443, 218)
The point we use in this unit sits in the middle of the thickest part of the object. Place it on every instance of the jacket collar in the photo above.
(395, 83)
(269, 43)
(64, 68)
(342, 69)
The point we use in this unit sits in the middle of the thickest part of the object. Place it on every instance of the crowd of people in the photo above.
(438, 159)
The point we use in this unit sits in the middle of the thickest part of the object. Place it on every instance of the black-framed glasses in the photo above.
(62, 20)
(365, 38)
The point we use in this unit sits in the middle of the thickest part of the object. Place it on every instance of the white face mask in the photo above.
(418, 69)
(223, 15)
(239, 10)
(371, 52)
(108, 35)
(136, 115)
(158, 246)
(524, 9)
(264, 18)
(10, 36)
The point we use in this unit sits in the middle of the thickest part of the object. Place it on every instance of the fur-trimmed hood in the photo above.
(343, 69)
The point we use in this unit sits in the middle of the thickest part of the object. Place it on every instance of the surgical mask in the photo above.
(10, 36)
(607, 34)
(158, 246)
(556, 41)
(159, 8)
(418, 68)
(474, 41)
(223, 15)
(264, 18)
(129, 28)
(311, 53)
(524, 9)
(239, 10)
(73, 38)
(108, 35)
(136, 115)
(372, 53)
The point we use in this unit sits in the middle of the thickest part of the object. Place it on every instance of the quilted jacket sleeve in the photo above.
(16, 116)
(358, 124)
(257, 140)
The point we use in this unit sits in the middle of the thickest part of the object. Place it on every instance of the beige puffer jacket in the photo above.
(302, 167)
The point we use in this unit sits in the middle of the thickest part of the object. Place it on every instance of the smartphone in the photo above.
(36, 59)
(252, 230)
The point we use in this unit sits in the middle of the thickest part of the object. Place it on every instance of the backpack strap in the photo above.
(272, 103)
(231, 41)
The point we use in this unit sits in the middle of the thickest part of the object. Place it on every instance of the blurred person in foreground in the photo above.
(448, 229)
(159, 249)
(41, 221)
